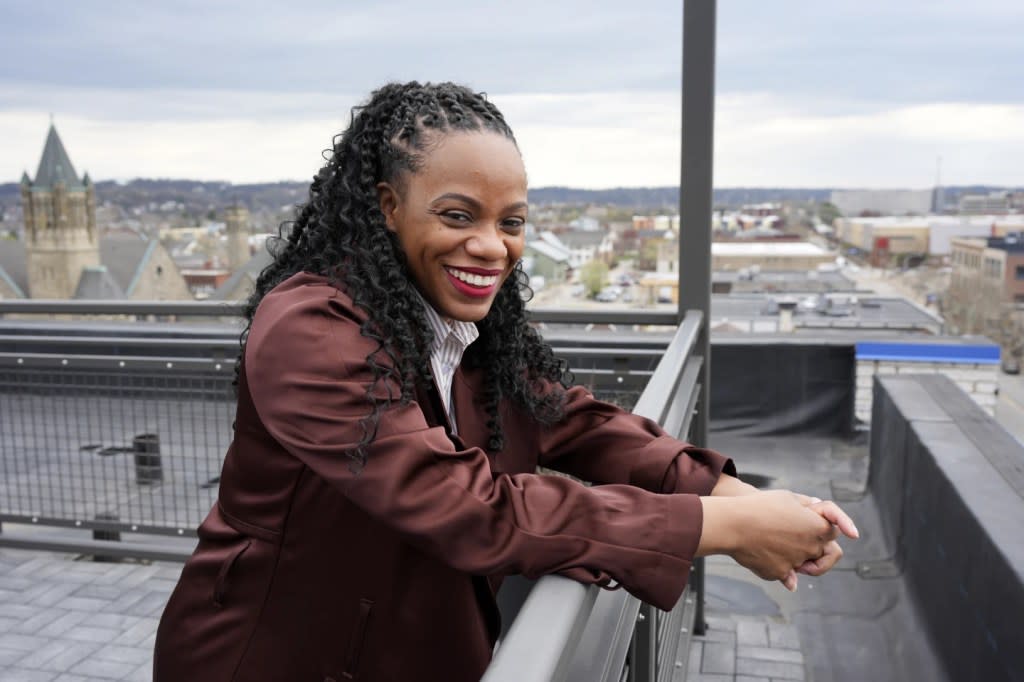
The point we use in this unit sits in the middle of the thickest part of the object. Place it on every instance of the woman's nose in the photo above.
(487, 245)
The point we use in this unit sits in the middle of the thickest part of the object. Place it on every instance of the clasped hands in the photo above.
(777, 534)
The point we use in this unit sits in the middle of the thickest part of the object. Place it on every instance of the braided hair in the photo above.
(340, 233)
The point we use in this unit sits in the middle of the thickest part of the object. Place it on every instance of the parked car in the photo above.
(1011, 365)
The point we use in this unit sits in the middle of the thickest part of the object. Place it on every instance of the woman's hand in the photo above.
(833, 552)
(775, 533)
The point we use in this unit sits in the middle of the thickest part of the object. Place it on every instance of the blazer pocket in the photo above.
(355, 644)
(220, 585)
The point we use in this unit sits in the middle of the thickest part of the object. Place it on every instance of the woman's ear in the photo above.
(388, 198)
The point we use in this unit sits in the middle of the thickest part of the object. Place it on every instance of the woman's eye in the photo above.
(458, 216)
(513, 225)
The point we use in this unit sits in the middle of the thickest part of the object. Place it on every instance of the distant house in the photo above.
(544, 259)
(242, 281)
(651, 244)
(585, 246)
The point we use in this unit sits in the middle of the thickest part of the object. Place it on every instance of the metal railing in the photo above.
(233, 309)
(565, 631)
(108, 430)
(125, 434)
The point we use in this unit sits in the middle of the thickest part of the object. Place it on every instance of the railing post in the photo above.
(696, 198)
(644, 648)
(106, 535)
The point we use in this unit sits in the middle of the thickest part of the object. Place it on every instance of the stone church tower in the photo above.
(60, 224)
(236, 219)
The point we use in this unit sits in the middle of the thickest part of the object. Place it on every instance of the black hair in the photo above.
(340, 233)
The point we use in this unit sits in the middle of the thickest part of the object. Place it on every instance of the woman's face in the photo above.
(461, 220)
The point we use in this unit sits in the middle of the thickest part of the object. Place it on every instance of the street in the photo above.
(1010, 407)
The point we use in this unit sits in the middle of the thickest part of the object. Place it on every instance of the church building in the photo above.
(63, 256)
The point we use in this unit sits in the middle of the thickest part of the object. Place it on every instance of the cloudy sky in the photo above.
(865, 93)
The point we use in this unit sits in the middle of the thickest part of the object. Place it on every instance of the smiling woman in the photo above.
(393, 407)
(460, 221)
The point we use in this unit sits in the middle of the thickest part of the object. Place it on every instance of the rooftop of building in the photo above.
(122, 254)
(767, 249)
(937, 221)
(55, 166)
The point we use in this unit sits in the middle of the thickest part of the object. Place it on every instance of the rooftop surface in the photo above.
(766, 249)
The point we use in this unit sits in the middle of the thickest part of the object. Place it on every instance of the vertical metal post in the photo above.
(695, 204)
(644, 660)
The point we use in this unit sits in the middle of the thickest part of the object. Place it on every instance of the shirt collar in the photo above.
(465, 333)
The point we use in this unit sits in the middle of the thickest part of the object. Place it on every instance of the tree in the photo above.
(647, 259)
(975, 304)
(828, 212)
(593, 275)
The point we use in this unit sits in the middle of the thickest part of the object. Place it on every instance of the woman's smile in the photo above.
(474, 281)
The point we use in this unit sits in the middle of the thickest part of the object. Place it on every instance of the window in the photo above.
(992, 268)
(1018, 272)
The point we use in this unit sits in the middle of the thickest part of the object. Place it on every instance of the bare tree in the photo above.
(975, 304)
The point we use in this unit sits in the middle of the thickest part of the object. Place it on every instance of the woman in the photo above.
(393, 405)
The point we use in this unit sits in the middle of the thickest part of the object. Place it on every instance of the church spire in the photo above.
(55, 165)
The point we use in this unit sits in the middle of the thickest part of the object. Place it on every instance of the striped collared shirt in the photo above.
(451, 338)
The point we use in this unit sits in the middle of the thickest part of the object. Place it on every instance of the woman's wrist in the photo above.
(719, 526)
(730, 486)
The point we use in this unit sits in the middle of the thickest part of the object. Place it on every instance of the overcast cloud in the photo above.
(809, 94)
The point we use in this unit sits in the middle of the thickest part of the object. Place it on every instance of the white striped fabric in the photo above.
(451, 338)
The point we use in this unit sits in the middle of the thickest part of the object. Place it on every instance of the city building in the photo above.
(884, 237)
(63, 255)
(999, 260)
(919, 235)
(769, 255)
(993, 202)
(855, 202)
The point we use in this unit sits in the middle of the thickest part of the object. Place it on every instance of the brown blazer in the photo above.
(307, 571)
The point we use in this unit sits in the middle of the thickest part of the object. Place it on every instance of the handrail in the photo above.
(655, 401)
(540, 642)
(547, 643)
(234, 309)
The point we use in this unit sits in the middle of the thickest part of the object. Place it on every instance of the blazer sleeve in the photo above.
(306, 370)
(602, 443)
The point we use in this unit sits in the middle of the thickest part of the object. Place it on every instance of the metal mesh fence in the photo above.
(132, 444)
(111, 442)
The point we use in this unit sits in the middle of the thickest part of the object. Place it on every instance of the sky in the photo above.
(865, 93)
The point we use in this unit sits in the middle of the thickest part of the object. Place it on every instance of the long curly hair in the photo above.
(340, 233)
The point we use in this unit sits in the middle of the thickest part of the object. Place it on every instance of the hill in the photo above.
(197, 198)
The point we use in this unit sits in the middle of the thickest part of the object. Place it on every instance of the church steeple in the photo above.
(55, 165)
(60, 223)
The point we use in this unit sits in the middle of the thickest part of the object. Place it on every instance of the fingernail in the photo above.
(815, 500)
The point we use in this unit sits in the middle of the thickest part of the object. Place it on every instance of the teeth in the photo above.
(474, 280)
